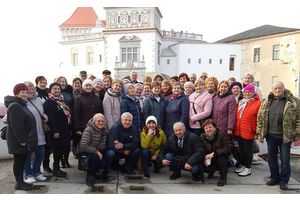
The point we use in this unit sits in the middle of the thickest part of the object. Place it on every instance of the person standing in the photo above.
(279, 122)
(245, 128)
(59, 119)
(32, 172)
(20, 132)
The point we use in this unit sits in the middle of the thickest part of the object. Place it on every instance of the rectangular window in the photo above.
(168, 61)
(129, 54)
(100, 58)
(199, 60)
(128, 19)
(210, 61)
(220, 61)
(231, 64)
(276, 50)
(256, 57)
(75, 59)
(158, 52)
(140, 18)
(119, 19)
(189, 61)
(90, 58)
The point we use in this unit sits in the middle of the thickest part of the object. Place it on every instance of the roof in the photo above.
(260, 31)
(167, 52)
(82, 17)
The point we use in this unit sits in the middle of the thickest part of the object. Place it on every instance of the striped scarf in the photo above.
(61, 104)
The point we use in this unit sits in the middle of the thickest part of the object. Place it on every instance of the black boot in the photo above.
(21, 185)
(90, 179)
(63, 162)
(56, 170)
(67, 160)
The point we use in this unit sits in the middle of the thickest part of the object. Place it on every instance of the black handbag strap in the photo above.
(36, 109)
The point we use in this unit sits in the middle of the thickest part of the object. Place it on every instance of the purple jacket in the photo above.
(224, 111)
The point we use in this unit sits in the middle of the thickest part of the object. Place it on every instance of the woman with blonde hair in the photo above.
(211, 84)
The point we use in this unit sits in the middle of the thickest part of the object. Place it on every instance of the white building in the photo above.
(131, 39)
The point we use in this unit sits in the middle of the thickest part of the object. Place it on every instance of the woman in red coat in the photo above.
(245, 128)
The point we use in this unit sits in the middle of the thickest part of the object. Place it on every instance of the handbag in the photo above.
(83, 160)
(201, 121)
(3, 132)
(45, 125)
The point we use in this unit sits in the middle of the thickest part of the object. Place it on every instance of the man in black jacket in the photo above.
(183, 150)
(123, 142)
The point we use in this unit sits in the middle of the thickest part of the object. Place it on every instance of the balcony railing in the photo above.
(76, 37)
(181, 35)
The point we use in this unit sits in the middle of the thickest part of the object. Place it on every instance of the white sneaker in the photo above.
(246, 172)
(256, 158)
(29, 180)
(40, 177)
(239, 170)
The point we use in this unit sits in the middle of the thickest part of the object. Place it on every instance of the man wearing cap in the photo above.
(183, 150)
(279, 122)
(21, 133)
(82, 75)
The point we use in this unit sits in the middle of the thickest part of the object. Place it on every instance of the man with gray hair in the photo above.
(123, 142)
(193, 77)
(278, 121)
(134, 77)
(183, 150)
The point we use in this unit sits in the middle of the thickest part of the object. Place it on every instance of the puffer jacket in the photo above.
(155, 108)
(291, 117)
(245, 127)
(153, 143)
(111, 107)
(93, 139)
(223, 112)
(202, 102)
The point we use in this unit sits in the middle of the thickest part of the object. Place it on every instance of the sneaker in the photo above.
(256, 158)
(29, 180)
(246, 172)
(174, 176)
(239, 170)
(40, 177)
(147, 176)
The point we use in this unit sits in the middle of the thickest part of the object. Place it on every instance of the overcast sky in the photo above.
(30, 34)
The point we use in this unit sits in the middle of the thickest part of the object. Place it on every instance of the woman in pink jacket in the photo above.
(200, 106)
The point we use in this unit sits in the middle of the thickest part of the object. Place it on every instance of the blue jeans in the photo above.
(146, 159)
(285, 148)
(196, 169)
(130, 160)
(34, 169)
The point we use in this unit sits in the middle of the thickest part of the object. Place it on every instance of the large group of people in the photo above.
(184, 123)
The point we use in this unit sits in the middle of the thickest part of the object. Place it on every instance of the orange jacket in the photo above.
(245, 127)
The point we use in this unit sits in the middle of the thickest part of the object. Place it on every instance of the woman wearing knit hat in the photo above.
(21, 129)
(86, 105)
(152, 140)
(98, 87)
(245, 129)
(236, 90)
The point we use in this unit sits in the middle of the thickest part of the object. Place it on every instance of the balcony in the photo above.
(124, 69)
(182, 35)
(80, 37)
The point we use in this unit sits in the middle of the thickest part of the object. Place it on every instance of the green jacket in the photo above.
(291, 117)
(153, 143)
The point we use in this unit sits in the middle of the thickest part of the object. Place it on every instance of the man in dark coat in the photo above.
(123, 142)
(183, 150)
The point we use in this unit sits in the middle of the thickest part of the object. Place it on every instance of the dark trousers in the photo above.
(130, 160)
(146, 159)
(218, 163)
(197, 131)
(18, 167)
(176, 166)
(275, 144)
(245, 154)
(95, 164)
(47, 153)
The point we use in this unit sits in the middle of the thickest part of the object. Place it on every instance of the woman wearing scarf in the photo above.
(59, 118)
(246, 117)
(217, 150)
(177, 109)
(200, 107)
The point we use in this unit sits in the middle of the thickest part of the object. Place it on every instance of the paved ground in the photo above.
(158, 184)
